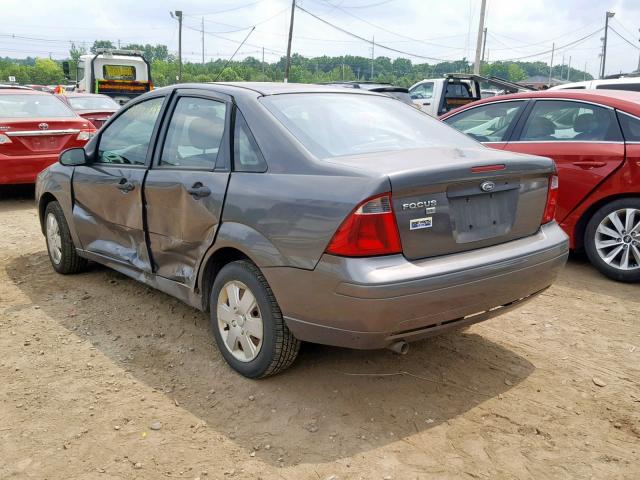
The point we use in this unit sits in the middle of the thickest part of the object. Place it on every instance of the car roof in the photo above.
(620, 99)
(20, 90)
(268, 88)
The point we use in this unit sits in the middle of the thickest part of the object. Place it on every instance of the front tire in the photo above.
(612, 240)
(247, 322)
(62, 252)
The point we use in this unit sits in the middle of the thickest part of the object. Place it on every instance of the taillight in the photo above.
(369, 230)
(86, 135)
(4, 139)
(552, 200)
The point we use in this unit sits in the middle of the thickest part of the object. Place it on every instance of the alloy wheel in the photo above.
(54, 239)
(240, 321)
(618, 239)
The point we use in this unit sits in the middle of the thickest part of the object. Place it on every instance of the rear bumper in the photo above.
(23, 169)
(372, 302)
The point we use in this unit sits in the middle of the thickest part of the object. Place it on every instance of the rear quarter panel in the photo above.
(56, 181)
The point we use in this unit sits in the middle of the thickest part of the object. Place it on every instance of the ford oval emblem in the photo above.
(488, 186)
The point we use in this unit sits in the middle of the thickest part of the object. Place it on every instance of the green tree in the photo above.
(101, 44)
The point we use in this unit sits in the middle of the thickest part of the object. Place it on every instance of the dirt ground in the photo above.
(104, 378)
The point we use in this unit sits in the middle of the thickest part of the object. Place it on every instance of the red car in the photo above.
(594, 138)
(94, 107)
(34, 128)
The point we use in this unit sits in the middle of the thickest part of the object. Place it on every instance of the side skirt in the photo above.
(175, 289)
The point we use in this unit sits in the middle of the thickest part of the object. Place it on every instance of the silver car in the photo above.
(305, 213)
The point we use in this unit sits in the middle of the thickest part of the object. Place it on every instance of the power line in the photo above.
(575, 42)
(346, 32)
(384, 29)
(232, 9)
(623, 38)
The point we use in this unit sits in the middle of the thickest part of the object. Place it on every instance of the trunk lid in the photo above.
(446, 202)
(42, 135)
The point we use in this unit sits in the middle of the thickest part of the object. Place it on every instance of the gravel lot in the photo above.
(104, 378)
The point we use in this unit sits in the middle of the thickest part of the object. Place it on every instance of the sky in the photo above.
(425, 30)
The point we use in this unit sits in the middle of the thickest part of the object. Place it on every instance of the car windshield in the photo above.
(33, 106)
(336, 124)
(93, 103)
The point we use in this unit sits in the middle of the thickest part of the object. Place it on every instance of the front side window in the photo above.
(334, 124)
(195, 134)
(423, 91)
(487, 123)
(33, 106)
(126, 140)
(559, 120)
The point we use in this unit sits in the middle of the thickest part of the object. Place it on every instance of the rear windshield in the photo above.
(335, 124)
(93, 103)
(33, 106)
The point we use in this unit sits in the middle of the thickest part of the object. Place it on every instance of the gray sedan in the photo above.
(305, 213)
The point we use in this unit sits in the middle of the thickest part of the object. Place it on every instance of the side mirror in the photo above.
(73, 157)
(65, 70)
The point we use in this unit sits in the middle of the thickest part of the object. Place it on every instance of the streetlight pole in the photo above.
(288, 64)
(178, 16)
(604, 49)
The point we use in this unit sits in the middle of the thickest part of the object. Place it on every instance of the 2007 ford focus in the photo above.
(305, 213)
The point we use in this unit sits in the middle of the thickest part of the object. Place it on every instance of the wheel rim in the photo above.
(618, 239)
(54, 240)
(240, 321)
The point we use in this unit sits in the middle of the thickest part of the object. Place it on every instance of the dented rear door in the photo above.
(185, 188)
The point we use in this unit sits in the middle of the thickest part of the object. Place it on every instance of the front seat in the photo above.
(540, 128)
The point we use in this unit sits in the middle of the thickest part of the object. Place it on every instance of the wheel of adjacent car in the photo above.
(62, 252)
(247, 322)
(612, 239)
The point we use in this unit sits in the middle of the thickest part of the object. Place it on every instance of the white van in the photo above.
(625, 83)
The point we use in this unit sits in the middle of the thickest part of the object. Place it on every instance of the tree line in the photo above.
(164, 68)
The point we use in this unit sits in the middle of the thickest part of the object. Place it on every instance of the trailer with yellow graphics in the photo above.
(120, 74)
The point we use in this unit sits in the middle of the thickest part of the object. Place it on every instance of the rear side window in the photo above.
(560, 120)
(195, 134)
(246, 154)
(630, 127)
(126, 140)
(487, 123)
(631, 87)
(33, 106)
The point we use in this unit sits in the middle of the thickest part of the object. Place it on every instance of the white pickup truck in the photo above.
(120, 74)
(436, 96)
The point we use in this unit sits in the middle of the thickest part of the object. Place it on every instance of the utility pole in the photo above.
(373, 49)
(569, 68)
(476, 65)
(553, 50)
(203, 40)
(484, 44)
(584, 77)
(288, 64)
(178, 16)
(262, 60)
(604, 48)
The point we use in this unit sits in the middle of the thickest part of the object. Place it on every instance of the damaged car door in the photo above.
(107, 208)
(185, 187)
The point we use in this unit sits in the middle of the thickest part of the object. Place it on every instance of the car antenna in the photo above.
(234, 53)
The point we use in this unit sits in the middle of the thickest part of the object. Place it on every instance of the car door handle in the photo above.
(587, 165)
(199, 191)
(125, 185)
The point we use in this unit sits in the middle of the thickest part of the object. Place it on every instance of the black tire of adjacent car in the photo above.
(617, 274)
(70, 262)
(279, 346)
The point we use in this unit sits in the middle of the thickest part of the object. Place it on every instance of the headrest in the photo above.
(206, 133)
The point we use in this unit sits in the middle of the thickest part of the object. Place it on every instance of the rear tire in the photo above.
(612, 240)
(247, 322)
(62, 251)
